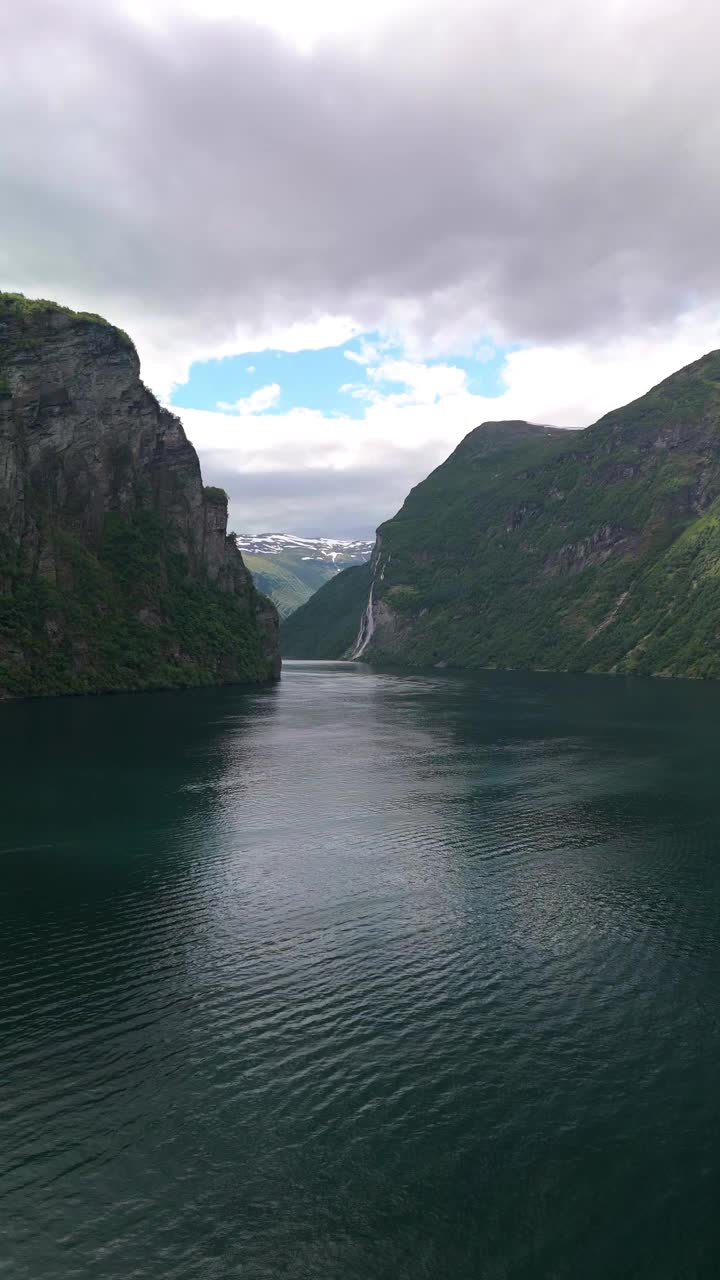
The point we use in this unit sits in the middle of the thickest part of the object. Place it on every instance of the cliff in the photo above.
(116, 569)
(594, 550)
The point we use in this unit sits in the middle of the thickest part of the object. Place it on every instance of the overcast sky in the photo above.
(497, 209)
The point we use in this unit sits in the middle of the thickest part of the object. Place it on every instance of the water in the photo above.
(363, 976)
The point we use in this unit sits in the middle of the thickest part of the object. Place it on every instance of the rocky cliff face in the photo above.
(594, 550)
(116, 571)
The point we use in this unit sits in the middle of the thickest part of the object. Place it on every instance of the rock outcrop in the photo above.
(116, 568)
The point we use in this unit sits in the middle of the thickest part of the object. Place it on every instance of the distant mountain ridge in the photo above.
(534, 547)
(334, 549)
(290, 569)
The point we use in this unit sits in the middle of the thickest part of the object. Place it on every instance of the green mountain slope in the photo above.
(326, 626)
(288, 585)
(289, 568)
(596, 550)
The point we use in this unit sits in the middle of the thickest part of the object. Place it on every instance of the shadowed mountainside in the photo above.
(116, 570)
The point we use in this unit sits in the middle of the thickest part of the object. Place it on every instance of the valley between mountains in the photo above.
(529, 547)
(290, 569)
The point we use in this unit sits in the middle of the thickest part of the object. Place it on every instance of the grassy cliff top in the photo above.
(15, 307)
(213, 494)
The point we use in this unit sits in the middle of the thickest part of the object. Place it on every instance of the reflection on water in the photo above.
(366, 975)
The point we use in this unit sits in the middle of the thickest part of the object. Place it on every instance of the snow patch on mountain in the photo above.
(332, 550)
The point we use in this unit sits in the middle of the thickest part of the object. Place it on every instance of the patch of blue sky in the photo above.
(484, 373)
(314, 379)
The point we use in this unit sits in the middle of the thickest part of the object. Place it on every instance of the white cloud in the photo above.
(257, 402)
(368, 353)
(305, 25)
(230, 176)
(217, 175)
(166, 365)
(343, 475)
(423, 383)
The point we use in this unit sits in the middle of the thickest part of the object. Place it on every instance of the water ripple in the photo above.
(376, 976)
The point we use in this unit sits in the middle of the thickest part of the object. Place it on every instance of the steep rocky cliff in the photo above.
(594, 550)
(116, 570)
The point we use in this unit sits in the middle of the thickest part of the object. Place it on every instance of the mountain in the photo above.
(530, 547)
(289, 569)
(327, 625)
(116, 571)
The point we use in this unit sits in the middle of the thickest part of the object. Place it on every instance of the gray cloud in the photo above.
(343, 504)
(539, 171)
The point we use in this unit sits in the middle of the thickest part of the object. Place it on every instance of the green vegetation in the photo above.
(213, 494)
(403, 597)
(108, 579)
(288, 581)
(293, 570)
(15, 307)
(129, 617)
(530, 547)
(327, 625)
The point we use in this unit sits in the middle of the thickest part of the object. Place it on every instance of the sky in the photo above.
(342, 235)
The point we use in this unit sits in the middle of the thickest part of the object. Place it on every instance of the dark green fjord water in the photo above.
(364, 976)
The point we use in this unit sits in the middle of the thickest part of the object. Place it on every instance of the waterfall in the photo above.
(367, 626)
(367, 622)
